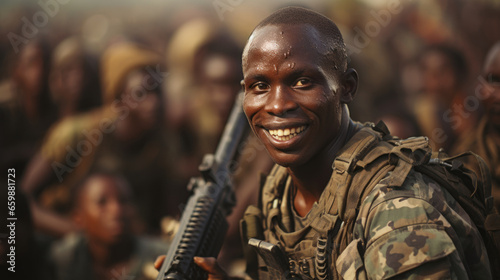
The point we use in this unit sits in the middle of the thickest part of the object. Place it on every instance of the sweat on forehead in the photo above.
(278, 38)
(327, 30)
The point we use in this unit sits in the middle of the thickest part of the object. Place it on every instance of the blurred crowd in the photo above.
(106, 112)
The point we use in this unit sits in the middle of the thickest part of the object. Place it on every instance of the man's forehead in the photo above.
(282, 42)
(272, 36)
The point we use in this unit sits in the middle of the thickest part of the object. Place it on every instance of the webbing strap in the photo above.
(367, 178)
(356, 148)
(365, 182)
(399, 173)
(271, 188)
(483, 176)
(414, 150)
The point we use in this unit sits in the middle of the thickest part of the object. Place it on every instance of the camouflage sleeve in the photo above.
(415, 231)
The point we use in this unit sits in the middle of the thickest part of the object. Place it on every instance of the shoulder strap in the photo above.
(272, 187)
(368, 151)
(369, 157)
(343, 166)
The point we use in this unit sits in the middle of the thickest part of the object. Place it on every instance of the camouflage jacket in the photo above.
(413, 230)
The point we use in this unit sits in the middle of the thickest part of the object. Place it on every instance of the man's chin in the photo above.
(288, 160)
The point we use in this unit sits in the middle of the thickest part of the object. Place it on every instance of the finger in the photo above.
(159, 261)
(208, 264)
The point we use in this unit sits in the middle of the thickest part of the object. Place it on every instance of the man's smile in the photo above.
(285, 134)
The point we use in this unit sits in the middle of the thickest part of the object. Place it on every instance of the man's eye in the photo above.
(260, 86)
(302, 82)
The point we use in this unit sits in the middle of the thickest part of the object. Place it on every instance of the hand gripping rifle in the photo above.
(203, 224)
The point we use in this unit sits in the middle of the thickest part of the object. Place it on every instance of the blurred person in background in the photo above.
(26, 109)
(142, 146)
(105, 246)
(126, 136)
(397, 117)
(217, 74)
(439, 106)
(485, 139)
(204, 79)
(74, 78)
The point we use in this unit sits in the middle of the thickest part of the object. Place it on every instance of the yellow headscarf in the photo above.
(118, 61)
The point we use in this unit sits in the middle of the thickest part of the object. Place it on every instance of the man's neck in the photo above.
(311, 179)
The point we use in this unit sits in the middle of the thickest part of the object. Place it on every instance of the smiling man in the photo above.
(343, 201)
(296, 87)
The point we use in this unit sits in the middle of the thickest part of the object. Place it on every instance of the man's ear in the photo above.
(242, 84)
(350, 85)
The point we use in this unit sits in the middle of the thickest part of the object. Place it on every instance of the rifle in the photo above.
(203, 224)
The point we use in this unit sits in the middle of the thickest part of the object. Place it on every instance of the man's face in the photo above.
(491, 91)
(142, 99)
(29, 71)
(220, 78)
(67, 82)
(104, 209)
(292, 98)
(438, 77)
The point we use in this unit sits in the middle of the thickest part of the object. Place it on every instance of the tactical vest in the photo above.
(371, 155)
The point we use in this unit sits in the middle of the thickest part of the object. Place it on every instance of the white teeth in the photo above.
(287, 133)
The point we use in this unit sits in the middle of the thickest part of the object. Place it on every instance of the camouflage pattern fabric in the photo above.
(415, 231)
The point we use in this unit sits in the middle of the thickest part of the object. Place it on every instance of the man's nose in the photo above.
(280, 101)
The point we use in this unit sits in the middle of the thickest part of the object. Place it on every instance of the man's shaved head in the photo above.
(330, 34)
